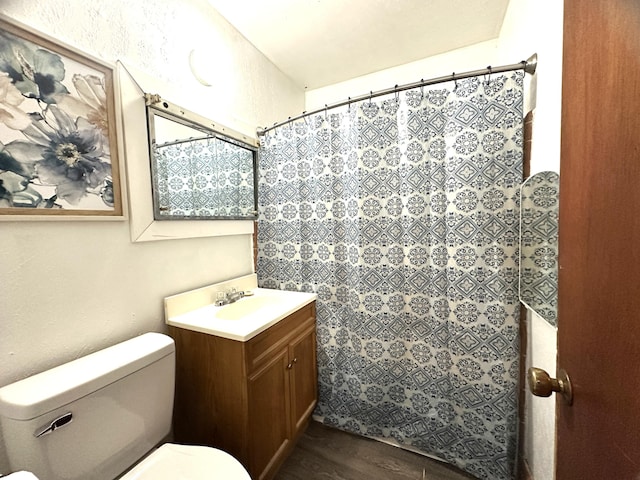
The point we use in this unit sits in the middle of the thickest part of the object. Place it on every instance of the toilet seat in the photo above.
(187, 462)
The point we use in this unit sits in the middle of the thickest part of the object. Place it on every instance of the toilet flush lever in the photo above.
(57, 423)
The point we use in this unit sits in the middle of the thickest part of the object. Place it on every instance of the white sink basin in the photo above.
(241, 320)
(246, 307)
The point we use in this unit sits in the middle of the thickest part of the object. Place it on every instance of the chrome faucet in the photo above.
(234, 295)
(230, 296)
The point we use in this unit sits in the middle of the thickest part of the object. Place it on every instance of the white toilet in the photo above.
(95, 417)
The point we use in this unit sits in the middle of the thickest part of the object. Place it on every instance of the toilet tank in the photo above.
(108, 409)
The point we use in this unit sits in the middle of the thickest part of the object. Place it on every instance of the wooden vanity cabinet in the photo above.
(251, 399)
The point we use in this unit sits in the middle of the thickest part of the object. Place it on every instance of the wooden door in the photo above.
(599, 255)
(304, 381)
(269, 419)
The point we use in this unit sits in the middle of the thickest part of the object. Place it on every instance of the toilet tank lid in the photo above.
(41, 393)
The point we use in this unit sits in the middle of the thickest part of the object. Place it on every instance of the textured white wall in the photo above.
(70, 288)
(465, 59)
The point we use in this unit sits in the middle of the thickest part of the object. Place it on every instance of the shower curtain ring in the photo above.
(397, 94)
(421, 89)
(455, 81)
(370, 97)
(487, 77)
(325, 112)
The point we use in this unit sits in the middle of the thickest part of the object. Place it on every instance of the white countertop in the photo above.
(204, 319)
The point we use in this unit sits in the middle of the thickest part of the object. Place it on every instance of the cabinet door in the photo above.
(304, 381)
(269, 420)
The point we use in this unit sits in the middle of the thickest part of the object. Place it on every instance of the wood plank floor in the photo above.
(325, 453)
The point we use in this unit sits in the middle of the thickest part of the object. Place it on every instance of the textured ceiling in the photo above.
(321, 42)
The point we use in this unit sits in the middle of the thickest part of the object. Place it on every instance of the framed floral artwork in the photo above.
(58, 141)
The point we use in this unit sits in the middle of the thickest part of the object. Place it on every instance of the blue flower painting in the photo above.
(57, 138)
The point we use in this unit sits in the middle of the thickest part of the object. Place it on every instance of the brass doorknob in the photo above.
(542, 385)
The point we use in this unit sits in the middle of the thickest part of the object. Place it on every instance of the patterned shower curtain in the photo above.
(206, 177)
(402, 216)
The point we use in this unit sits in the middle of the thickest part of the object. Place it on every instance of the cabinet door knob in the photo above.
(290, 365)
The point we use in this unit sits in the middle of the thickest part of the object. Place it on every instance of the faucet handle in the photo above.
(221, 299)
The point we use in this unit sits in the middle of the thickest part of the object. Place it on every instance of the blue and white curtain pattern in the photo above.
(539, 209)
(402, 216)
(205, 177)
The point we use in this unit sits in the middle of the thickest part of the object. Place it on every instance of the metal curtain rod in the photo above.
(529, 66)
